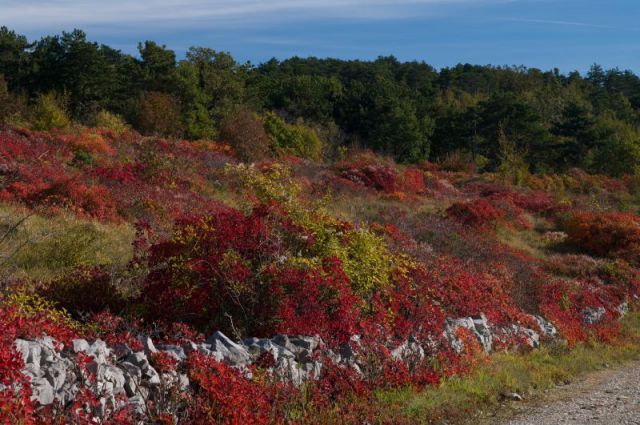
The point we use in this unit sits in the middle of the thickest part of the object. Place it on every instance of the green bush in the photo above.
(12, 108)
(159, 115)
(110, 121)
(50, 113)
(513, 167)
(296, 139)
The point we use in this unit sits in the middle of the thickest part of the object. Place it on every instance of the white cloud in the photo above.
(556, 22)
(33, 14)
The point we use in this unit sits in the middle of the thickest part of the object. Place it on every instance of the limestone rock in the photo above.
(592, 315)
(232, 353)
(548, 330)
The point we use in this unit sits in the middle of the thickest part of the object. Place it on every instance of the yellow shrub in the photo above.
(50, 113)
(110, 121)
(30, 305)
(272, 184)
(364, 255)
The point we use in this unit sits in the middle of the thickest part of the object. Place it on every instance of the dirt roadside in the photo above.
(606, 397)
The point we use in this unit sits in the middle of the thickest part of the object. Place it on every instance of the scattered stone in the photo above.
(623, 309)
(99, 351)
(42, 392)
(483, 332)
(232, 353)
(478, 326)
(532, 337)
(122, 350)
(451, 328)
(409, 351)
(514, 397)
(175, 351)
(548, 330)
(149, 348)
(80, 346)
(591, 315)
(257, 347)
(138, 404)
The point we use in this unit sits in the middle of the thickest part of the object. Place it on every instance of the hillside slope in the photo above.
(153, 279)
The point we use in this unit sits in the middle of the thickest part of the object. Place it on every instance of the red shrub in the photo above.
(477, 213)
(536, 202)
(86, 290)
(116, 330)
(223, 396)
(46, 185)
(226, 266)
(316, 302)
(533, 201)
(163, 362)
(381, 178)
(150, 179)
(563, 302)
(15, 404)
(337, 383)
(93, 141)
(605, 234)
(468, 293)
(413, 181)
(125, 174)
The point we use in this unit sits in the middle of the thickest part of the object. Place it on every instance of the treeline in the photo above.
(493, 117)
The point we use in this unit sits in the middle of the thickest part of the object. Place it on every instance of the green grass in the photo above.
(529, 241)
(39, 247)
(462, 400)
(359, 209)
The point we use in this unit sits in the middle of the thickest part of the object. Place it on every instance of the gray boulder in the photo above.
(409, 351)
(115, 376)
(623, 309)
(232, 353)
(547, 328)
(258, 346)
(591, 315)
(80, 346)
(301, 346)
(287, 369)
(450, 331)
(137, 404)
(149, 374)
(149, 347)
(56, 374)
(30, 351)
(122, 350)
(45, 368)
(532, 337)
(42, 392)
(479, 326)
(98, 349)
(483, 332)
(175, 351)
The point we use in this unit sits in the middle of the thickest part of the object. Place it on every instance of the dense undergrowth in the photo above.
(478, 396)
(113, 236)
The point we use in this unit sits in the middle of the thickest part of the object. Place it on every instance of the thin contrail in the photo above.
(565, 23)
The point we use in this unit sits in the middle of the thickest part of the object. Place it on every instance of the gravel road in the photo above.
(610, 396)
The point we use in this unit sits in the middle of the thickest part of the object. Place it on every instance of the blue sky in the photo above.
(568, 34)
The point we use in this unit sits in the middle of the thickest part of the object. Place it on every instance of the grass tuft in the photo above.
(39, 247)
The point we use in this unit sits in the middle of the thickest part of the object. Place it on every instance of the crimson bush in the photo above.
(613, 234)
(478, 213)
